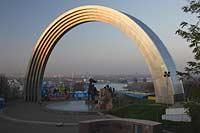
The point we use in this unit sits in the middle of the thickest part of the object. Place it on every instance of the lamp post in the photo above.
(167, 75)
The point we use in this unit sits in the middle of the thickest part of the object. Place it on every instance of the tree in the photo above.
(79, 86)
(4, 87)
(193, 112)
(191, 33)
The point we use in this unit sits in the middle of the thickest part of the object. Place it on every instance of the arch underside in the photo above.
(156, 55)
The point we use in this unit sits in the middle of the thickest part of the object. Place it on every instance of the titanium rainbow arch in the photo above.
(153, 50)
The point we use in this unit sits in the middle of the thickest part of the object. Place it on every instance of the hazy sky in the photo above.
(95, 48)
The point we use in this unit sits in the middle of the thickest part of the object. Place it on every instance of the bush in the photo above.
(194, 113)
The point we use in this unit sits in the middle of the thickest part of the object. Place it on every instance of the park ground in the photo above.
(31, 117)
(22, 117)
(149, 110)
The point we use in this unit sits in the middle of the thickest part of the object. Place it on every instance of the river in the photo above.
(117, 86)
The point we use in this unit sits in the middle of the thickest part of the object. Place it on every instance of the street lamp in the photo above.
(167, 75)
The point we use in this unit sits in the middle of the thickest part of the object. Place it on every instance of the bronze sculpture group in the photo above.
(105, 96)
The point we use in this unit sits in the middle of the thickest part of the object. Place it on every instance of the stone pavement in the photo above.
(20, 116)
(7, 126)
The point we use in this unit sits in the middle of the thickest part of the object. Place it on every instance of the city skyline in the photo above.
(109, 50)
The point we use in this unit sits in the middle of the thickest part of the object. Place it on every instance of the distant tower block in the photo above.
(158, 59)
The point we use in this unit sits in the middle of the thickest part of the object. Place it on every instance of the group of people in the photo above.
(105, 95)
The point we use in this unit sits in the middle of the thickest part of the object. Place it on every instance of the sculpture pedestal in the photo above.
(119, 126)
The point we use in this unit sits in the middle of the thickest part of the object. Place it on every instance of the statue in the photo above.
(105, 99)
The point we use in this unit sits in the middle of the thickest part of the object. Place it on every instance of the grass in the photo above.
(149, 110)
(123, 101)
(140, 111)
(178, 127)
(138, 108)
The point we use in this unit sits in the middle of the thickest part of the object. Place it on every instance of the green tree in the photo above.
(4, 87)
(191, 33)
(79, 86)
(193, 112)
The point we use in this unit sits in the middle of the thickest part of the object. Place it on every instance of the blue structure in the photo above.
(44, 91)
(2, 103)
(140, 96)
(80, 94)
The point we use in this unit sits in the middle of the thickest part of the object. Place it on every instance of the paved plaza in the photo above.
(20, 116)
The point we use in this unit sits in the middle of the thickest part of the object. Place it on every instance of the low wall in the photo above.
(119, 126)
(174, 111)
(177, 117)
(176, 114)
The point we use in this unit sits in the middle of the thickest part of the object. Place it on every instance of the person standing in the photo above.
(90, 90)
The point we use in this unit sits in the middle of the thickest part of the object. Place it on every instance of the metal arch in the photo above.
(156, 55)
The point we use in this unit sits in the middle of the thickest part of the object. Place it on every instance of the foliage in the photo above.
(144, 109)
(61, 88)
(4, 87)
(8, 91)
(192, 89)
(79, 86)
(141, 111)
(191, 33)
(141, 87)
(120, 101)
(193, 112)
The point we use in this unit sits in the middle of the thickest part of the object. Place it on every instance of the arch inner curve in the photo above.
(155, 53)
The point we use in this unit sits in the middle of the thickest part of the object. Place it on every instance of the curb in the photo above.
(58, 124)
(108, 115)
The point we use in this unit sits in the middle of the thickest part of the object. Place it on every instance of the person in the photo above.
(93, 93)
(91, 89)
(107, 86)
(96, 92)
(113, 92)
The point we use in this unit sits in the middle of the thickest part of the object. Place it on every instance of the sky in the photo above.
(94, 48)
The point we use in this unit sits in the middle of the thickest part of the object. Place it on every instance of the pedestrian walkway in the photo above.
(37, 112)
(25, 114)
